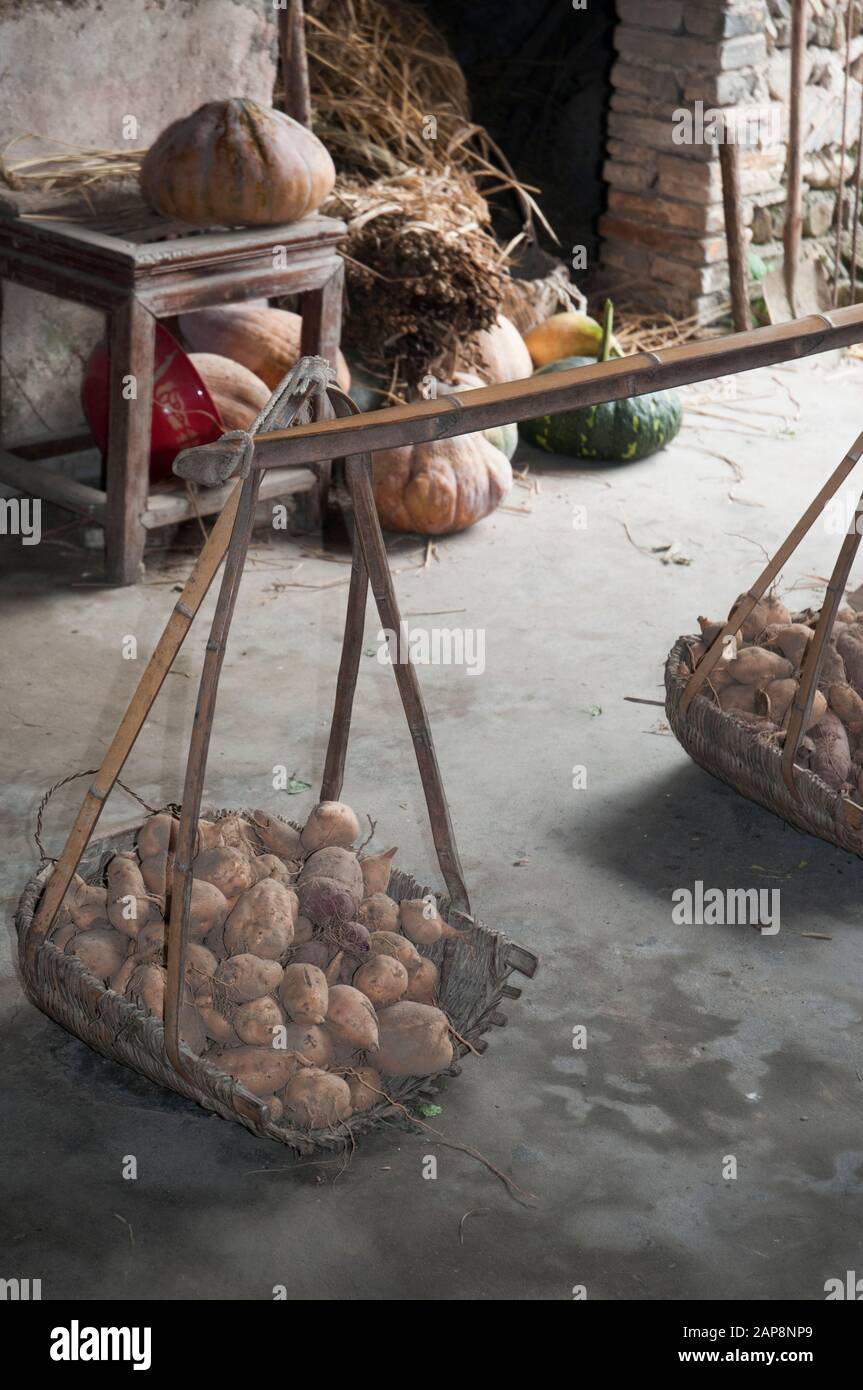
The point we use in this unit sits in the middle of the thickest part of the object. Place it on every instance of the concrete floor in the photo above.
(703, 1042)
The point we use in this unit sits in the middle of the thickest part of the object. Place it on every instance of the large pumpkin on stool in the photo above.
(437, 488)
(237, 164)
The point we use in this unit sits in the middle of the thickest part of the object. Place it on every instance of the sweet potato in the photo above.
(228, 869)
(229, 832)
(313, 1043)
(256, 1021)
(154, 836)
(383, 980)
(780, 696)
(849, 645)
(844, 701)
(351, 1017)
(330, 886)
(423, 984)
(376, 870)
(333, 972)
(315, 952)
(832, 668)
(62, 933)
(832, 757)
(207, 911)
(262, 1070)
(303, 931)
(86, 903)
(316, 1100)
(420, 920)
(128, 904)
(366, 1088)
(790, 641)
(146, 988)
(120, 979)
(101, 950)
(263, 920)
(271, 866)
(157, 871)
(276, 836)
(245, 976)
(201, 967)
(352, 937)
(739, 698)
(388, 943)
(215, 1025)
(757, 666)
(414, 1040)
(275, 1106)
(330, 824)
(769, 611)
(150, 941)
(304, 993)
(379, 913)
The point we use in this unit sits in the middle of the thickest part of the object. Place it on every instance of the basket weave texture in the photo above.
(737, 754)
(473, 973)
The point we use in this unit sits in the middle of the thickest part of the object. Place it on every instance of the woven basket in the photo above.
(474, 970)
(736, 753)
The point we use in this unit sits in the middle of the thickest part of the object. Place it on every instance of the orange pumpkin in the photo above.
(238, 395)
(236, 163)
(498, 353)
(267, 341)
(437, 488)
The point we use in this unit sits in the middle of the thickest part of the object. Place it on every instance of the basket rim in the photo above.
(211, 1086)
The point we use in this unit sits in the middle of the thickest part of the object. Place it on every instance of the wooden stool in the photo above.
(139, 267)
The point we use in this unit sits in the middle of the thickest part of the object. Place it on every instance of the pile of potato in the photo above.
(757, 676)
(303, 978)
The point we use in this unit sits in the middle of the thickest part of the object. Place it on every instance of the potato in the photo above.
(101, 950)
(86, 903)
(832, 757)
(420, 920)
(423, 984)
(414, 1040)
(330, 887)
(330, 823)
(262, 1070)
(313, 1043)
(263, 920)
(246, 976)
(256, 1021)
(316, 1100)
(757, 666)
(365, 1087)
(304, 993)
(376, 870)
(379, 913)
(228, 869)
(791, 640)
(844, 701)
(351, 1017)
(277, 836)
(154, 837)
(201, 966)
(383, 980)
(127, 899)
(388, 943)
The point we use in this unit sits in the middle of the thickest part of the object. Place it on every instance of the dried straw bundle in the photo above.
(423, 270)
(67, 169)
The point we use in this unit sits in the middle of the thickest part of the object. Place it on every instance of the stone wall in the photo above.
(664, 227)
(72, 72)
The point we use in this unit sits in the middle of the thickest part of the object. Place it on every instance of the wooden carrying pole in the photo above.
(729, 163)
(480, 409)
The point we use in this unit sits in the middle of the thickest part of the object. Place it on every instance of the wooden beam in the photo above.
(34, 480)
(423, 421)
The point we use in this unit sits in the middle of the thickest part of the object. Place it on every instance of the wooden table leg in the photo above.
(320, 337)
(131, 339)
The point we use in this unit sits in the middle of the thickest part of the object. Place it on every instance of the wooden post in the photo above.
(320, 337)
(729, 163)
(295, 68)
(131, 341)
(793, 207)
